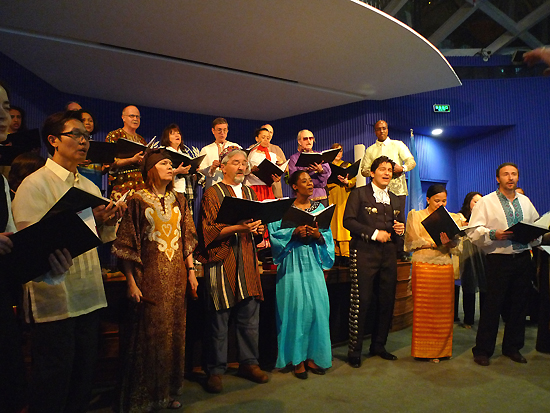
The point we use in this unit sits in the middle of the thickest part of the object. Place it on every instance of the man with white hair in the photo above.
(231, 273)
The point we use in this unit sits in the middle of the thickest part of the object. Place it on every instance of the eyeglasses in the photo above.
(308, 138)
(134, 116)
(77, 136)
(221, 130)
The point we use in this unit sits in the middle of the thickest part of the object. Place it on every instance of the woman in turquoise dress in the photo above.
(301, 254)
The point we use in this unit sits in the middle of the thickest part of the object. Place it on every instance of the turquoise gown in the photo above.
(303, 308)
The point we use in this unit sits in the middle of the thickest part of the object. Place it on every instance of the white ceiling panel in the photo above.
(241, 58)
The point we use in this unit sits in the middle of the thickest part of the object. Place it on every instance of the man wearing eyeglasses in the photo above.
(210, 166)
(64, 317)
(398, 152)
(125, 174)
(319, 172)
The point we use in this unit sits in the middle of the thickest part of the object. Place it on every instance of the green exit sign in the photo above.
(442, 108)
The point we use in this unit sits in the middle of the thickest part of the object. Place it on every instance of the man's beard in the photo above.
(238, 179)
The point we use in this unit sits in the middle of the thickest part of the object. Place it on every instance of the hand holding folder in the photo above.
(234, 210)
(440, 221)
(296, 217)
(32, 246)
(335, 170)
(309, 158)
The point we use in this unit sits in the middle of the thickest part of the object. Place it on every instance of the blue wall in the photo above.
(520, 104)
(39, 99)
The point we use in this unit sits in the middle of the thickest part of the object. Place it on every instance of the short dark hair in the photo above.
(259, 130)
(465, 210)
(23, 127)
(293, 179)
(502, 165)
(380, 160)
(165, 137)
(219, 121)
(83, 111)
(22, 166)
(54, 125)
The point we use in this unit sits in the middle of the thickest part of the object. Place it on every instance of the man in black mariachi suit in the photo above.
(375, 223)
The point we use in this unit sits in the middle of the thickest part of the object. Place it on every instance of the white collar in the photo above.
(385, 142)
(381, 196)
(60, 171)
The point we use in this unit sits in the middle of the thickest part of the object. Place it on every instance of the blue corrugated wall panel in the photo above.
(523, 104)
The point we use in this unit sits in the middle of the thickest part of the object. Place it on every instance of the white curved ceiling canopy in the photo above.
(252, 59)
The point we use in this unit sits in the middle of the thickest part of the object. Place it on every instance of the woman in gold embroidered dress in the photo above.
(432, 282)
(155, 242)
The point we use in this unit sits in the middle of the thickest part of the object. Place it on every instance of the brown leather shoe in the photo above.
(214, 383)
(482, 360)
(253, 373)
(515, 356)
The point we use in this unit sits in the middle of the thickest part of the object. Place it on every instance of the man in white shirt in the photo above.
(63, 316)
(509, 265)
(398, 152)
(373, 217)
(210, 166)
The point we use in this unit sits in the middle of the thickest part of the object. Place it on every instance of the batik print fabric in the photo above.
(128, 178)
(156, 234)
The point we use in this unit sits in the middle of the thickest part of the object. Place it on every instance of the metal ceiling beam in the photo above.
(394, 6)
(533, 18)
(510, 25)
(465, 11)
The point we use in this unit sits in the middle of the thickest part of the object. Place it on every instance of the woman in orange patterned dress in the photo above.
(432, 283)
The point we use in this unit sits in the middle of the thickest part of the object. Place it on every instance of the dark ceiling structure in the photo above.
(475, 27)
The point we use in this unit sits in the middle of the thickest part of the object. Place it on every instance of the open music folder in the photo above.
(309, 158)
(234, 210)
(296, 217)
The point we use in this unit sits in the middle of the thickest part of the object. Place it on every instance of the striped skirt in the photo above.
(433, 315)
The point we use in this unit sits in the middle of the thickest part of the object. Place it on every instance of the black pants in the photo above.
(468, 304)
(373, 274)
(13, 384)
(508, 283)
(543, 334)
(64, 353)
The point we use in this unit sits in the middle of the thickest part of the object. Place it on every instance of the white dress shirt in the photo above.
(81, 292)
(398, 152)
(212, 153)
(382, 197)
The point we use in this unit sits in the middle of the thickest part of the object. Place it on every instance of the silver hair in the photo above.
(231, 154)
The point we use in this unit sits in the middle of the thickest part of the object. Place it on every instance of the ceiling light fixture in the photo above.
(437, 132)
